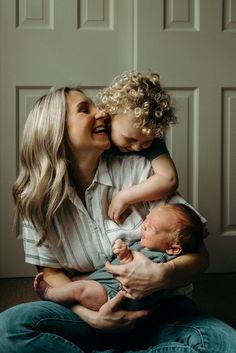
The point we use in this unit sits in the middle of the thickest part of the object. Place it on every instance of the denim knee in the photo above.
(20, 329)
(202, 334)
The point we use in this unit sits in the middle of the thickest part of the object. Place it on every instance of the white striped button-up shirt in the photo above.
(86, 232)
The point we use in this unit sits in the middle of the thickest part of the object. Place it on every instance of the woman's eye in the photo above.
(84, 110)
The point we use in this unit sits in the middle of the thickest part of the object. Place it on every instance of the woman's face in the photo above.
(86, 126)
(126, 136)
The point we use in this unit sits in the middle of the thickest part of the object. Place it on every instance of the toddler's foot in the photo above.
(40, 286)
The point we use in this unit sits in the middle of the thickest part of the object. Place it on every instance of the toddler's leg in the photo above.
(90, 294)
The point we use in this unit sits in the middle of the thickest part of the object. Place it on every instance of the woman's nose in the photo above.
(100, 114)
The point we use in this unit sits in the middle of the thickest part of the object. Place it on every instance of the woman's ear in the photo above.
(174, 250)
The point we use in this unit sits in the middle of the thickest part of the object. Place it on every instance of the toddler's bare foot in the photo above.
(121, 250)
(40, 286)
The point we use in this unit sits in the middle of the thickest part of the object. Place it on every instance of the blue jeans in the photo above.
(177, 326)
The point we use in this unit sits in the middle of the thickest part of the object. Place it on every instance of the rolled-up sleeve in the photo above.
(42, 255)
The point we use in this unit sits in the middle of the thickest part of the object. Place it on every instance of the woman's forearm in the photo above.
(184, 269)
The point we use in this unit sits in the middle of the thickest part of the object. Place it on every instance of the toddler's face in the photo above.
(126, 136)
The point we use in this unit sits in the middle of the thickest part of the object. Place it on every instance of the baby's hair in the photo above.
(143, 94)
(189, 231)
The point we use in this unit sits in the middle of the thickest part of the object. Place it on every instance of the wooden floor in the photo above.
(214, 293)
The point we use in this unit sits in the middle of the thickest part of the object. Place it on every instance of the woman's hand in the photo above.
(140, 277)
(110, 317)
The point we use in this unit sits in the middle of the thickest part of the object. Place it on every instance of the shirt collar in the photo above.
(102, 176)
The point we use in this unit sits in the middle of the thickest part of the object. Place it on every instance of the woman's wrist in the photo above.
(165, 274)
(83, 313)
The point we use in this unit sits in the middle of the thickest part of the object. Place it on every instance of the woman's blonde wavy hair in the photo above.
(143, 94)
(43, 182)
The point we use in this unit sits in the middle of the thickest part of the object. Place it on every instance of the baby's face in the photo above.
(156, 229)
(126, 136)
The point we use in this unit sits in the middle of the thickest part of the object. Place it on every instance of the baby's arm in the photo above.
(163, 183)
(90, 294)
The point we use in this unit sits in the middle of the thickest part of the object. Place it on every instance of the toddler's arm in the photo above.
(163, 183)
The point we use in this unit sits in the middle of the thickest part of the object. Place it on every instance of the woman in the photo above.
(62, 193)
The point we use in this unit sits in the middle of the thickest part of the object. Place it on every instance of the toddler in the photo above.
(167, 231)
(141, 112)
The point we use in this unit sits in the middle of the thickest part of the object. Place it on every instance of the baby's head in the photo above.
(173, 228)
(140, 110)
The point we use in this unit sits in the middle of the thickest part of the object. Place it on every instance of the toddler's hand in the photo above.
(118, 205)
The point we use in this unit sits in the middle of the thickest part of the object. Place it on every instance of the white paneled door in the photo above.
(45, 43)
(191, 43)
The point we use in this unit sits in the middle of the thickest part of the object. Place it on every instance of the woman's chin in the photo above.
(105, 144)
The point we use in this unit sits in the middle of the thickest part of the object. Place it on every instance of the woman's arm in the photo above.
(185, 268)
(160, 185)
(110, 317)
(142, 276)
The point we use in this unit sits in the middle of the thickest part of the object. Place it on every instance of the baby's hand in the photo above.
(121, 250)
(118, 205)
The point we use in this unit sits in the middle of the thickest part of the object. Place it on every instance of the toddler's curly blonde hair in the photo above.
(141, 93)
